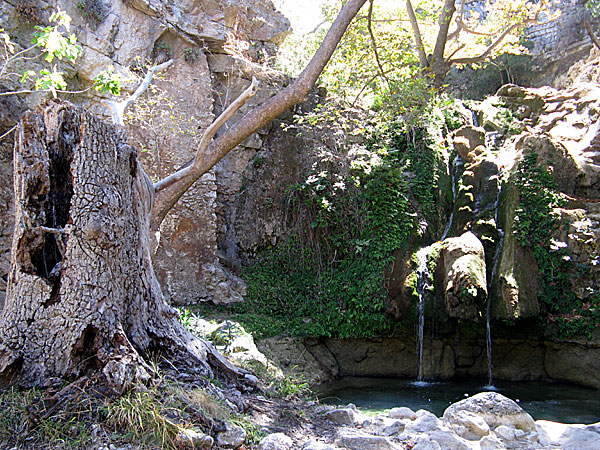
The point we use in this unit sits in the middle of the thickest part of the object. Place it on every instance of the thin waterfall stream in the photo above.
(455, 167)
(495, 264)
(423, 286)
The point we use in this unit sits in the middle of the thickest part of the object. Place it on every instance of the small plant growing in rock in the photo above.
(94, 11)
(190, 55)
(29, 11)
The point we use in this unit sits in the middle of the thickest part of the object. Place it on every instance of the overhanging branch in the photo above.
(374, 42)
(591, 33)
(258, 117)
(417, 34)
(207, 137)
(118, 108)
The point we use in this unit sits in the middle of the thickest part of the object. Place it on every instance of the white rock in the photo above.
(233, 436)
(276, 441)
(491, 443)
(394, 428)
(506, 432)
(566, 436)
(316, 445)
(468, 425)
(356, 440)
(385, 426)
(449, 441)
(424, 423)
(424, 443)
(495, 409)
(402, 413)
(348, 416)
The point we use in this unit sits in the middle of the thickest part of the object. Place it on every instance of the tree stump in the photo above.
(82, 296)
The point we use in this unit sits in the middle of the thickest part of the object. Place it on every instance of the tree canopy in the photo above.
(388, 46)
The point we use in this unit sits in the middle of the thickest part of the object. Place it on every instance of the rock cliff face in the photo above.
(241, 206)
(203, 37)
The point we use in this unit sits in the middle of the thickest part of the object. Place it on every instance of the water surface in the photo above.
(544, 401)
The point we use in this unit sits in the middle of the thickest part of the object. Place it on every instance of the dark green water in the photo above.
(556, 402)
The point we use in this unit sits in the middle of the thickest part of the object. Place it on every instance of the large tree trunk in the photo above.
(82, 296)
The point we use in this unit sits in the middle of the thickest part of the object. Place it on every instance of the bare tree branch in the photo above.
(369, 18)
(491, 47)
(456, 50)
(535, 20)
(593, 36)
(460, 22)
(417, 34)
(8, 132)
(444, 23)
(118, 108)
(208, 136)
(260, 116)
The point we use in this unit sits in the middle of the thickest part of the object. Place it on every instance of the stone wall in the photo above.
(559, 44)
(516, 359)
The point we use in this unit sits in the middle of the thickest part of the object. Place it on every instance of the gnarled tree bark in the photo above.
(82, 295)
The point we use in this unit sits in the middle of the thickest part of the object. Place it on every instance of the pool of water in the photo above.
(544, 401)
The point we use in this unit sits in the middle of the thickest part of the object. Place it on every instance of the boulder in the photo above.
(494, 408)
(424, 443)
(402, 413)
(425, 422)
(193, 439)
(233, 436)
(276, 441)
(506, 432)
(386, 426)
(491, 443)
(348, 416)
(467, 139)
(449, 440)
(357, 440)
(316, 445)
(469, 425)
(465, 286)
(566, 436)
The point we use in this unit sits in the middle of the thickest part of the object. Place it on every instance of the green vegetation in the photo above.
(143, 417)
(536, 222)
(26, 418)
(345, 222)
(94, 11)
(52, 42)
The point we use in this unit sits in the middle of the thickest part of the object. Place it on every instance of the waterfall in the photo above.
(474, 118)
(422, 290)
(455, 167)
(495, 263)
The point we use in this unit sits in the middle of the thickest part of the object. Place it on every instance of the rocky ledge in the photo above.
(486, 421)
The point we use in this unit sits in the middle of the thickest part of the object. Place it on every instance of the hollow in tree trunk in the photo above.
(82, 295)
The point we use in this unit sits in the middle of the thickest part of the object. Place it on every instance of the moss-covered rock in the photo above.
(465, 287)
(515, 289)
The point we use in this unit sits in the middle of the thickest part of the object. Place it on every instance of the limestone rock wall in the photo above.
(168, 122)
(516, 358)
(559, 44)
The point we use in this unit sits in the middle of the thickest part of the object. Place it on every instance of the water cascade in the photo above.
(423, 286)
(495, 263)
(455, 168)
